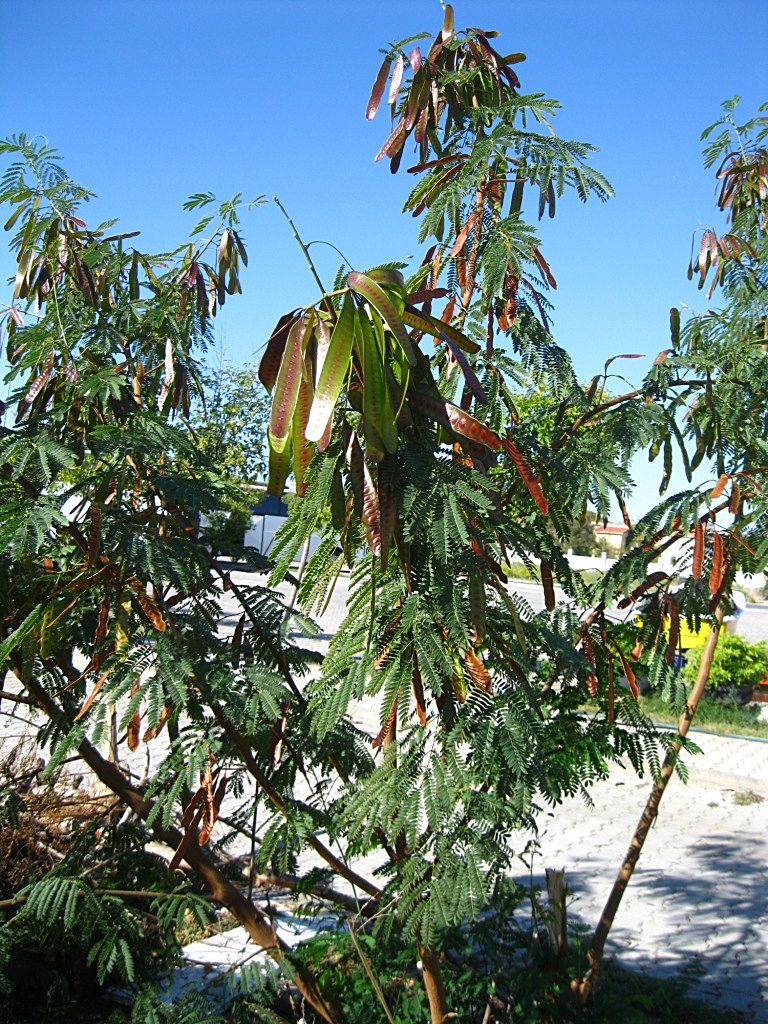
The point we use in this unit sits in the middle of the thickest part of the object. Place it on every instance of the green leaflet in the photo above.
(378, 415)
(19, 634)
(373, 293)
(287, 387)
(334, 371)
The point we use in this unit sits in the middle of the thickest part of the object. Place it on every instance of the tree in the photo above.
(230, 422)
(420, 455)
(114, 606)
(720, 417)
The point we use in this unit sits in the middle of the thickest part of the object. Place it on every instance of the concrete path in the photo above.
(699, 895)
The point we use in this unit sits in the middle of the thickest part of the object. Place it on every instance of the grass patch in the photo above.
(711, 716)
(745, 798)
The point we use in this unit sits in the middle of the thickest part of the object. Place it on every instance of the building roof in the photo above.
(616, 529)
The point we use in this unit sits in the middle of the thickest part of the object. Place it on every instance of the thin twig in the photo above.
(301, 245)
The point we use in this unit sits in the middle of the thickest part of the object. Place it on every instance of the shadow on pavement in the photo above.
(705, 918)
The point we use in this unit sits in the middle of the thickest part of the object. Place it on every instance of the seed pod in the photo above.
(366, 496)
(458, 681)
(733, 504)
(673, 636)
(628, 672)
(387, 726)
(720, 486)
(133, 735)
(453, 418)
(155, 729)
(148, 606)
(94, 532)
(674, 326)
(273, 354)
(648, 583)
(698, 550)
(378, 89)
(477, 605)
(237, 640)
(387, 518)
(718, 564)
(477, 671)
(528, 477)
(589, 654)
(418, 696)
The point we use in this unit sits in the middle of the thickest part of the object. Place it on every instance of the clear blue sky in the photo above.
(151, 100)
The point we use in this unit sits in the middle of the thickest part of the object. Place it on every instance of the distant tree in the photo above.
(230, 421)
(581, 539)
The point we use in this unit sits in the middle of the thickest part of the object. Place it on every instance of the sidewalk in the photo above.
(699, 895)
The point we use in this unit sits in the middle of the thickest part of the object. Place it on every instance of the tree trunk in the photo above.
(585, 986)
(433, 984)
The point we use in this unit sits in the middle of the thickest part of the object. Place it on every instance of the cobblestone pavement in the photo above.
(699, 894)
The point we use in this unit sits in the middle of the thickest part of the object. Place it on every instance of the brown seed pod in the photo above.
(733, 504)
(698, 550)
(673, 634)
(720, 486)
(477, 605)
(547, 585)
(94, 532)
(155, 729)
(718, 564)
(385, 729)
(418, 695)
(477, 672)
(628, 672)
(589, 654)
(611, 695)
(134, 726)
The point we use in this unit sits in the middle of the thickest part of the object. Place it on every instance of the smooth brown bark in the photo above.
(584, 987)
(433, 984)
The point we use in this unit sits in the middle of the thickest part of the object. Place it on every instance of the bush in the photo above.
(737, 662)
(226, 528)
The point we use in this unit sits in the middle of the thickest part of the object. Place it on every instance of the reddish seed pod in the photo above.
(386, 728)
(547, 585)
(698, 550)
(720, 486)
(733, 504)
(718, 564)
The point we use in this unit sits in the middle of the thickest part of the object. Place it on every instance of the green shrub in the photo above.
(737, 662)
(226, 528)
